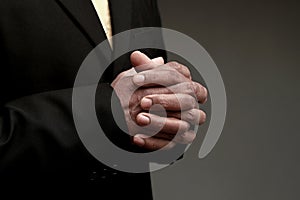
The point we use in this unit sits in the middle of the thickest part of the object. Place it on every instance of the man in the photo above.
(43, 44)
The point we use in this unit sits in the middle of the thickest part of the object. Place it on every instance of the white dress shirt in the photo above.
(103, 12)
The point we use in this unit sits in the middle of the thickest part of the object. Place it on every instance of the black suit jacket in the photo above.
(42, 45)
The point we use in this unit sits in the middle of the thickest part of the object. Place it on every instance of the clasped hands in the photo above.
(153, 82)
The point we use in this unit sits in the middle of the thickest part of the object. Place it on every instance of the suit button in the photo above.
(107, 174)
(93, 176)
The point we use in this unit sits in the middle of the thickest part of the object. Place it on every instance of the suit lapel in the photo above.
(85, 17)
(121, 11)
(83, 14)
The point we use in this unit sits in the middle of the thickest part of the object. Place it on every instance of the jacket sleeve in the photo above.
(37, 134)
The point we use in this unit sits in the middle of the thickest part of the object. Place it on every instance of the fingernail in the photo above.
(139, 79)
(158, 60)
(146, 103)
(138, 141)
(137, 52)
(143, 120)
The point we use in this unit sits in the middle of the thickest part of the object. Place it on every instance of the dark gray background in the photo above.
(255, 44)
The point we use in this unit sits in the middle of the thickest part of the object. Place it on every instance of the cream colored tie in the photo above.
(102, 9)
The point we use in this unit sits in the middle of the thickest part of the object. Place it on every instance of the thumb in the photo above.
(138, 58)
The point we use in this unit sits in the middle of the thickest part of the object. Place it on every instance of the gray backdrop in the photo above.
(255, 44)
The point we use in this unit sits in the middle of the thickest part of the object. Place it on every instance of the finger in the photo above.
(171, 65)
(161, 124)
(165, 136)
(158, 77)
(170, 102)
(184, 138)
(152, 143)
(192, 88)
(154, 63)
(193, 116)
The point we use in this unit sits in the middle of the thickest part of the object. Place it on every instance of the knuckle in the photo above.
(190, 88)
(179, 67)
(202, 117)
(192, 101)
(186, 71)
(205, 94)
(174, 74)
(197, 90)
(174, 64)
(186, 137)
(184, 126)
(188, 74)
(196, 87)
(190, 116)
(200, 91)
